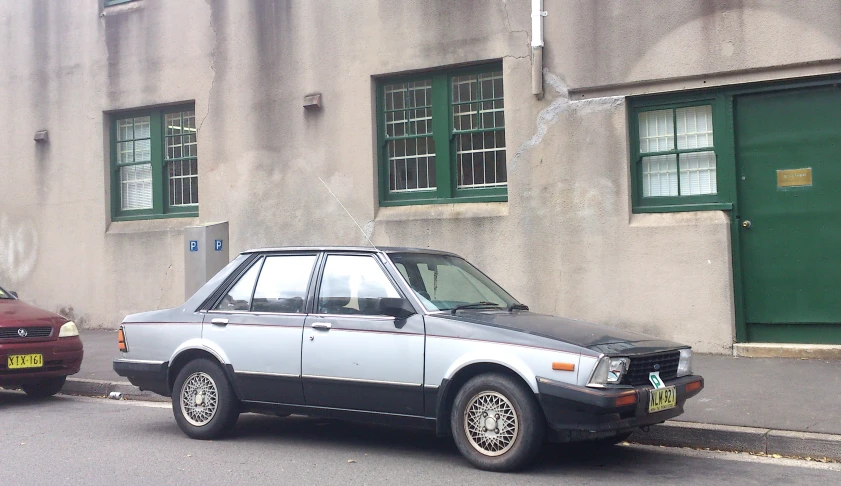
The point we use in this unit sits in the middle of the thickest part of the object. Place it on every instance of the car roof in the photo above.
(354, 249)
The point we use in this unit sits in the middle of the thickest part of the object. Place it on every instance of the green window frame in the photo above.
(154, 163)
(678, 146)
(441, 137)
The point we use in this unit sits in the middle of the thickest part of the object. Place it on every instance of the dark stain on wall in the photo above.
(271, 20)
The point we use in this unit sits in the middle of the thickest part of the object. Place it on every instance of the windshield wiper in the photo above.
(474, 305)
(517, 307)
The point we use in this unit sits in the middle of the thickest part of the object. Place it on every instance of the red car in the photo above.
(38, 349)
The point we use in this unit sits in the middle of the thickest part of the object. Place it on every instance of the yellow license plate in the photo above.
(18, 361)
(660, 399)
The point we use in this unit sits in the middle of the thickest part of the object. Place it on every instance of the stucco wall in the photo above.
(565, 242)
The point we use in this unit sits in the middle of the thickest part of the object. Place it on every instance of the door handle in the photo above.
(746, 224)
(325, 326)
(219, 321)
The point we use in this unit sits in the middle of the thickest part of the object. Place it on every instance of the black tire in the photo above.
(202, 421)
(489, 449)
(44, 388)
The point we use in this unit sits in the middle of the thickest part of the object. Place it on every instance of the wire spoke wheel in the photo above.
(199, 399)
(491, 423)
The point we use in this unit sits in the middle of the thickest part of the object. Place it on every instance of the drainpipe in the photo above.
(537, 15)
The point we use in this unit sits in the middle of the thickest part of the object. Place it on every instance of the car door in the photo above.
(353, 357)
(258, 324)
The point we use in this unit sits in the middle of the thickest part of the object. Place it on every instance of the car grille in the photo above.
(31, 332)
(641, 366)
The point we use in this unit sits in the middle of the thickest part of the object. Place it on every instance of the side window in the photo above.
(353, 285)
(238, 297)
(282, 286)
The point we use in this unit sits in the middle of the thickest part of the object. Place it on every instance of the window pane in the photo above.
(181, 159)
(659, 176)
(478, 105)
(411, 164)
(697, 173)
(125, 152)
(478, 157)
(353, 285)
(694, 127)
(282, 286)
(143, 150)
(239, 297)
(656, 131)
(408, 108)
(136, 186)
(142, 127)
(125, 129)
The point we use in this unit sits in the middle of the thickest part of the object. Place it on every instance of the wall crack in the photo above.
(562, 104)
(213, 53)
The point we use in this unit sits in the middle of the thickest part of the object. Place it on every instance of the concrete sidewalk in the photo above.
(761, 405)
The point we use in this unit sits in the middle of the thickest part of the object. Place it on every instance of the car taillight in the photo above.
(121, 340)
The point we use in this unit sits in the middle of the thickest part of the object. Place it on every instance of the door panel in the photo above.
(788, 147)
(364, 364)
(259, 324)
(353, 358)
(265, 352)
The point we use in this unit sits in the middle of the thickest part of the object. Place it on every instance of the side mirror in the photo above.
(396, 307)
(13, 294)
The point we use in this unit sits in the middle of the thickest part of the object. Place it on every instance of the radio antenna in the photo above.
(348, 212)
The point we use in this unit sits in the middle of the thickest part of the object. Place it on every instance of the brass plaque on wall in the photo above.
(794, 177)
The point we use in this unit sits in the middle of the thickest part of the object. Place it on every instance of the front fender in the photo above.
(507, 360)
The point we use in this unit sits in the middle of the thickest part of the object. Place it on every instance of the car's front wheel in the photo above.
(496, 423)
(203, 401)
(44, 388)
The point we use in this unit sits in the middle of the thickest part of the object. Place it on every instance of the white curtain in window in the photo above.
(659, 176)
(136, 186)
(657, 131)
(694, 127)
(697, 173)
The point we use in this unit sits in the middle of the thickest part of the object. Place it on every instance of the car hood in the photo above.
(597, 337)
(15, 312)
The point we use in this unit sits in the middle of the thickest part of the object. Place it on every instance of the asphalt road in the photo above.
(74, 440)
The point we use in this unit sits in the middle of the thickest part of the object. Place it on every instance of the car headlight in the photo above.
(609, 371)
(684, 366)
(69, 329)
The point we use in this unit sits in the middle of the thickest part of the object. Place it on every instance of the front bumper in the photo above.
(62, 357)
(581, 413)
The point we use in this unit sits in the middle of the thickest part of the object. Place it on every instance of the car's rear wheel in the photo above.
(44, 388)
(203, 400)
(496, 423)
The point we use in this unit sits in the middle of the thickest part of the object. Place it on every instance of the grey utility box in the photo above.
(205, 253)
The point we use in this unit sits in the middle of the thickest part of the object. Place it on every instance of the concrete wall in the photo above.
(565, 242)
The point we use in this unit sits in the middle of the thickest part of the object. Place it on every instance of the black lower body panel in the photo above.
(580, 413)
(146, 376)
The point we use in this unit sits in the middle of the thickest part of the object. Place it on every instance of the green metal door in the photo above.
(788, 150)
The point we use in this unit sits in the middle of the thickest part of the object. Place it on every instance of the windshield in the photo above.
(4, 294)
(443, 282)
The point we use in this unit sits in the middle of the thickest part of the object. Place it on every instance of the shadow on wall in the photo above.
(18, 250)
